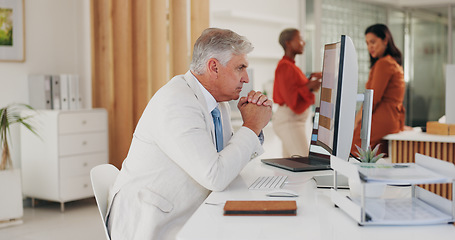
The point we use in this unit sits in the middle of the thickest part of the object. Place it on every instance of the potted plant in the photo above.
(367, 157)
(11, 208)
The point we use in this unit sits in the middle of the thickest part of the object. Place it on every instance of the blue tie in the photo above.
(218, 129)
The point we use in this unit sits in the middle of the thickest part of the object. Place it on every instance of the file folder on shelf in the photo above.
(47, 91)
(422, 207)
(64, 92)
(56, 100)
(40, 91)
(73, 92)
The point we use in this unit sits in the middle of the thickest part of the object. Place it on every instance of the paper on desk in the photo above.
(407, 211)
(409, 173)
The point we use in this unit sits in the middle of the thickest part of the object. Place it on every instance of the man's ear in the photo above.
(287, 44)
(212, 65)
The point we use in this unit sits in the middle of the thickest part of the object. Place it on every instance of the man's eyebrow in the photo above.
(243, 65)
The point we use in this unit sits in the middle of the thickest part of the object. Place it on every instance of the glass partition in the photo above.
(428, 33)
(420, 33)
(453, 34)
(351, 18)
(309, 37)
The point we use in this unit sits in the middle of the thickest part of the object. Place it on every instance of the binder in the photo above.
(40, 91)
(56, 100)
(64, 92)
(73, 91)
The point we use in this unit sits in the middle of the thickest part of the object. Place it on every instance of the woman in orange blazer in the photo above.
(387, 81)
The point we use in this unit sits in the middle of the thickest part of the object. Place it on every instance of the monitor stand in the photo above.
(326, 181)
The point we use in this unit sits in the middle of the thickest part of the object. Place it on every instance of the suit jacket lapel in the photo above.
(190, 79)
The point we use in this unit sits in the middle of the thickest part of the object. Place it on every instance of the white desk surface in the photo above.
(418, 135)
(317, 218)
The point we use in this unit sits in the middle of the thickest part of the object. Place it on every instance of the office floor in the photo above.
(81, 220)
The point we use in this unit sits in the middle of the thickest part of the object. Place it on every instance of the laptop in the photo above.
(300, 164)
(318, 158)
(310, 163)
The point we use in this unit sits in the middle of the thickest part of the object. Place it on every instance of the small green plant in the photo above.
(368, 155)
(10, 115)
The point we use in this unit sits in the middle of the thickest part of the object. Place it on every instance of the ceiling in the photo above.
(412, 3)
(438, 7)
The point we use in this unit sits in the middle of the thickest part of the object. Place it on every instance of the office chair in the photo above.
(103, 177)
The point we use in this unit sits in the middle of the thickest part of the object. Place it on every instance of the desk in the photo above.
(404, 145)
(317, 218)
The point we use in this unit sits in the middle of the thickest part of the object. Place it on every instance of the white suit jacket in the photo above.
(172, 164)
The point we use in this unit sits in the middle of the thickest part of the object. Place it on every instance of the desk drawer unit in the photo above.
(56, 165)
(82, 143)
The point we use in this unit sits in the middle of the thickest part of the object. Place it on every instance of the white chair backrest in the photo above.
(103, 177)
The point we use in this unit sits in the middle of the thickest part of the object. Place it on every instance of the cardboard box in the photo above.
(434, 127)
(451, 129)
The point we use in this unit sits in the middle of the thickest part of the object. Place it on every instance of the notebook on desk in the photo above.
(260, 208)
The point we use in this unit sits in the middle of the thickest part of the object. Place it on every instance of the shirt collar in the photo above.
(209, 99)
(288, 58)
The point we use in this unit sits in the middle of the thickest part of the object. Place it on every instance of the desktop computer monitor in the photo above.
(338, 104)
(336, 111)
(338, 98)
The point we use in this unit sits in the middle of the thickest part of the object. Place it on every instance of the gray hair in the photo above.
(220, 44)
(287, 35)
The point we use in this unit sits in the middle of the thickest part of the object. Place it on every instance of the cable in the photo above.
(356, 158)
(298, 182)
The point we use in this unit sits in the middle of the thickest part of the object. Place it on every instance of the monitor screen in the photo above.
(328, 95)
(338, 98)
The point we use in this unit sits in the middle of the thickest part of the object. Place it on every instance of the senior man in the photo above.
(184, 145)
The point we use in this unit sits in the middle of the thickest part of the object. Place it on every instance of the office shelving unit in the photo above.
(56, 164)
(422, 207)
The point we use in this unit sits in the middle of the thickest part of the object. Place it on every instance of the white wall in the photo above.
(57, 40)
(261, 21)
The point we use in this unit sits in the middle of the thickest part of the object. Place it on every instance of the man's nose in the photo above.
(245, 78)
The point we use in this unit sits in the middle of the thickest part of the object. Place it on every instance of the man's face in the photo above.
(231, 78)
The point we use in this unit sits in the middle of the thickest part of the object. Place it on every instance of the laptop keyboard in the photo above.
(268, 182)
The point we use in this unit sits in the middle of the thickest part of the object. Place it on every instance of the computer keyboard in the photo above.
(268, 182)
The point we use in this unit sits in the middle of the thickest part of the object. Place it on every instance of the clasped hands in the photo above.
(256, 110)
